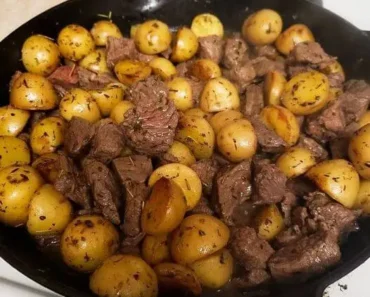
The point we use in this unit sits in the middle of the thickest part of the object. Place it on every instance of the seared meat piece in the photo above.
(287, 204)
(253, 101)
(183, 68)
(339, 148)
(317, 149)
(288, 236)
(64, 78)
(294, 69)
(206, 170)
(211, 47)
(196, 88)
(91, 81)
(309, 53)
(202, 207)
(300, 186)
(267, 51)
(78, 136)
(119, 49)
(241, 75)
(235, 52)
(135, 168)
(252, 278)
(336, 80)
(263, 65)
(131, 244)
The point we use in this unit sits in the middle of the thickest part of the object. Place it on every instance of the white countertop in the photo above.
(13, 13)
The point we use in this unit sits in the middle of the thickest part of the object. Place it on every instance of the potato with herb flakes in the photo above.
(205, 69)
(359, 151)
(334, 68)
(363, 197)
(12, 120)
(269, 222)
(207, 24)
(155, 249)
(180, 92)
(185, 45)
(108, 98)
(163, 68)
(13, 151)
(181, 153)
(197, 112)
(273, 87)
(46, 166)
(292, 36)
(96, 61)
(131, 71)
(133, 30)
(103, 29)
(365, 119)
(118, 112)
(223, 118)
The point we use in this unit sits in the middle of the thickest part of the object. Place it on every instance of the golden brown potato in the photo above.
(124, 276)
(205, 69)
(47, 135)
(118, 112)
(223, 118)
(181, 153)
(17, 186)
(133, 30)
(197, 134)
(207, 24)
(79, 103)
(33, 92)
(163, 68)
(363, 197)
(40, 55)
(171, 275)
(13, 151)
(197, 112)
(215, 270)
(75, 42)
(306, 93)
(108, 98)
(337, 178)
(219, 94)
(49, 212)
(359, 151)
(262, 27)
(273, 87)
(131, 71)
(185, 45)
(334, 68)
(180, 92)
(12, 120)
(165, 208)
(197, 237)
(156, 249)
(152, 37)
(334, 93)
(292, 36)
(296, 161)
(101, 30)
(87, 242)
(96, 61)
(365, 119)
(283, 122)
(269, 222)
(46, 166)
(184, 177)
(237, 141)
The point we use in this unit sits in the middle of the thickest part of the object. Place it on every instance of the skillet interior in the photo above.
(338, 37)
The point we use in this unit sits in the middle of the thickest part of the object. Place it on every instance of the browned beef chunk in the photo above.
(134, 168)
(150, 127)
(25, 137)
(294, 69)
(108, 141)
(287, 204)
(196, 88)
(336, 80)
(131, 245)
(249, 250)
(253, 101)
(300, 186)
(309, 255)
(233, 187)
(252, 279)
(105, 189)
(241, 75)
(245, 214)
(119, 49)
(317, 149)
(206, 170)
(339, 148)
(92, 81)
(309, 53)
(64, 78)
(288, 236)
(203, 207)
(263, 65)
(183, 68)
(211, 47)
(235, 52)
(267, 51)
(78, 136)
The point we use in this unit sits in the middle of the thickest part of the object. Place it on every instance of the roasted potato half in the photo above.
(131, 71)
(163, 68)
(96, 61)
(156, 249)
(363, 197)
(197, 112)
(133, 30)
(185, 45)
(337, 178)
(184, 177)
(365, 119)
(359, 151)
(108, 98)
(181, 153)
(124, 276)
(207, 24)
(292, 36)
(46, 165)
(13, 151)
(118, 112)
(12, 120)
(273, 87)
(205, 69)
(223, 118)
(180, 92)
(269, 222)
(101, 30)
(262, 27)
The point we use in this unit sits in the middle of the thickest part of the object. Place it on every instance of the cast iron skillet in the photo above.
(338, 37)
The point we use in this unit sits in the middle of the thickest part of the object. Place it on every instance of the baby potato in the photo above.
(197, 112)
(124, 276)
(108, 98)
(365, 119)
(306, 93)
(363, 197)
(269, 222)
(237, 141)
(273, 87)
(181, 153)
(292, 36)
(40, 55)
(223, 118)
(47, 135)
(163, 68)
(101, 30)
(205, 69)
(165, 208)
(180, 92)
(155, 249)
(219, 94)
(12, 120)
(133, 30)
(334, 68)
(33, 92)
(185, 45)
(13, 151)
(296, 161)
(198, 236)
(75, 42)
(283, 122)
(46, 166)
(87, 242)
(96, 61)
(359, 151)
(337, 178)
(196, 133)
(49, 212)
(262, 27)
(175, 276)
(17, 186)
(131, 71)
(215, 270)
(152, 37)
(184, 177)
(118, 112)
(207, 24)
(79, 103)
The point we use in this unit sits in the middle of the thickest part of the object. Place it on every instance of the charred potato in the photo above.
(17, 186)
(118, 112)
(155, 249)
(124, 276)
(87, 242)
(205, 69)
(46, 166)
(108, 98)
(163, 68)
(223, 118)
(207, 24)
(181, 153)
(13, 151)
(40, 55)
(273, 87)
(269, 222)
(33, 92)
(96, 61)
(180, 92)
(185, 45)
(101, 30)
(292, 36)
(12, 120)
(359, 151)
(131, 71)
(262, 27)
(363, 197)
